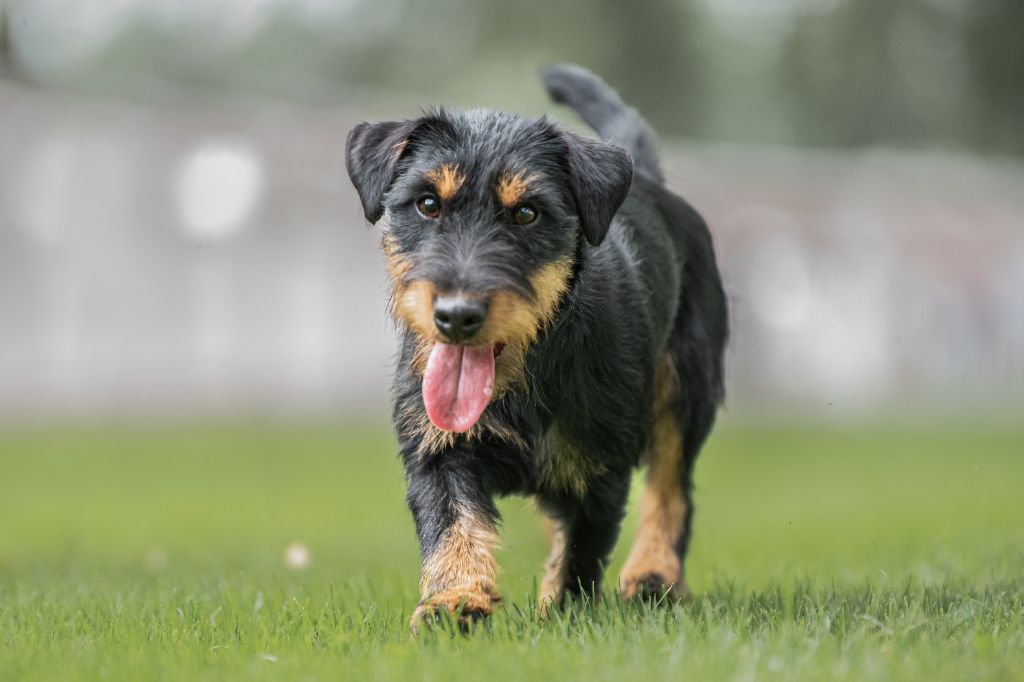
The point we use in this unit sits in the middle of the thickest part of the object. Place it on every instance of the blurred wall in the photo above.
(178, 236)
(200, 258)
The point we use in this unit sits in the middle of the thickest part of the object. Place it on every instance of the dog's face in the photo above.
(484, 217)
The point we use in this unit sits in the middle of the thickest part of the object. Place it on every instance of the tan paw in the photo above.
(653, 586)
(467, 605)
(550, 601)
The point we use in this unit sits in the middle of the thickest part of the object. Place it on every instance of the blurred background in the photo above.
(178, 236)
(195, 358)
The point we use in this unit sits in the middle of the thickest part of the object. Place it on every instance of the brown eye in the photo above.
(429, 206)
(524, 215)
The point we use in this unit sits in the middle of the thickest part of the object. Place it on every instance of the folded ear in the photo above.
(601, 175)
(372, 152)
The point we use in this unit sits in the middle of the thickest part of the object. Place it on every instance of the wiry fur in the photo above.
(612, 292)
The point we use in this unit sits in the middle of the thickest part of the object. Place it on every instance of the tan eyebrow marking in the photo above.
(512, 187)
(447, 180)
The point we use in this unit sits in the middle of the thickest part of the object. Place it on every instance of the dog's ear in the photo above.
(372, 152)
(601, 175)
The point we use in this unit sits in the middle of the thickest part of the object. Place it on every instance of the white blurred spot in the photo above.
(155, 559)
(217, 187)
(780, 282)
(846, 350)
(774, 261)
(297, 557)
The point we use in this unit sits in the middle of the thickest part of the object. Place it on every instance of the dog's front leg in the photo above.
(455, 521)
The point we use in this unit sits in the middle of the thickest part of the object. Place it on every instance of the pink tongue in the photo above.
(457, 385)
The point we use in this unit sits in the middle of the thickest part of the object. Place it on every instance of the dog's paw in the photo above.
(465, 607)
(548, 604)
(654, 587)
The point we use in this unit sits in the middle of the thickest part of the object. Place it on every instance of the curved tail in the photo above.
(605, 112)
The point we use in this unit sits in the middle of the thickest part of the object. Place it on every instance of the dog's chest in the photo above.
(563, 467)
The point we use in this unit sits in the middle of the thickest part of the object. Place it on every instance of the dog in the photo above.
(562, 322)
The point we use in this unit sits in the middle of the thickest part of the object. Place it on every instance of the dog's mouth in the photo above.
(458, 383)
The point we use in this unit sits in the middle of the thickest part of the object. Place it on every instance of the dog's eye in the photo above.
(429, 206)
(524, 215)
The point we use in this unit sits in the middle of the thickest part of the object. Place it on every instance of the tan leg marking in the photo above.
(552, 586)
(653, 562)
(459, 576)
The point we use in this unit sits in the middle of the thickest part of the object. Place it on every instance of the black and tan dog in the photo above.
(563, 322)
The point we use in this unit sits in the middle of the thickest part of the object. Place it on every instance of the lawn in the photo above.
(135, 553)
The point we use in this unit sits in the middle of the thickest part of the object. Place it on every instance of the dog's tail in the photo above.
(605, 112)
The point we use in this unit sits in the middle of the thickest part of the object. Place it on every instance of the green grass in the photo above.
(155, 554)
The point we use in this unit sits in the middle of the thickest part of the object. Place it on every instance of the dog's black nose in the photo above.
(459, 318)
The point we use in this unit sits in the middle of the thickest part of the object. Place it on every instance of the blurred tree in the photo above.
(657, 62)
(648, 50)
(4, 54)
(995, 50)
(913, 72)
(838, 73)
(863, 72)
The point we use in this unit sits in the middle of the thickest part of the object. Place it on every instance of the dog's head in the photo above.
(484, 214)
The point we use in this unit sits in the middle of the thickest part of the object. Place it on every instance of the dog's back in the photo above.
(701, 309)
(670, 246)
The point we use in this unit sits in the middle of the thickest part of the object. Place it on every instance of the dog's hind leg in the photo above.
(591, 535)
(552, 586)
(584, 531)
(654, 567)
